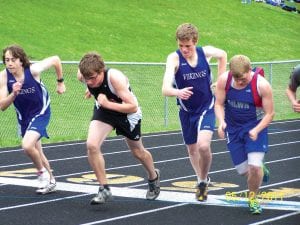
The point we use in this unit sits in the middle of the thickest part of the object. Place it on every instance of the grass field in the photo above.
(143, 30)
(140, 31)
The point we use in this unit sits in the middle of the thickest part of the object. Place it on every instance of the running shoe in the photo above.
(51, 187)
(43, 178)
(266, 172)
(201, 193)
(208, 182)
(154, 187)
(254, 206)
(103, 196)
(202, 190)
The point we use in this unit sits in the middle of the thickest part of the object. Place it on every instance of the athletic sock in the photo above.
(106, 186)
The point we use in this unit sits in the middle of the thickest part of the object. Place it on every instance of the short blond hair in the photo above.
(186, 32)
(239, 65)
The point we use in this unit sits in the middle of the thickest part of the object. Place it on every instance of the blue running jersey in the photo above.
(241, 115)
(199, 78)
(240, 108)
(32, 101)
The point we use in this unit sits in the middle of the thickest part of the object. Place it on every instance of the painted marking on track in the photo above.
(29, 172)
(167, 196)
(112, 178)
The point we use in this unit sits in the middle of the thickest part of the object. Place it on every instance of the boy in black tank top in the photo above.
(292, 88)
(116, 107)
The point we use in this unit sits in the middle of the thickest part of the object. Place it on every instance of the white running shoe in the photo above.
(103, 196)
(43, 178)
(51, 187)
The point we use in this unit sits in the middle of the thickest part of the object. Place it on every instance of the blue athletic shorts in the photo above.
(191, 123)
(38, 123)
(239, 144)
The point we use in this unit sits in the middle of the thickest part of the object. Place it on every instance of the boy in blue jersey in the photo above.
(188, 77)
(292, 89)
(116, 108)
(21, 85)
(245, 122)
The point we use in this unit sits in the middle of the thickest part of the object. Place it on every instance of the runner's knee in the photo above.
(254, 170)
(204, 147)
(139, 154)
(28, 147)
(92, 147)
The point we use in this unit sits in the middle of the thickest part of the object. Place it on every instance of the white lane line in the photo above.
(126, 151)
(135, 214)
(157, 162)
(167, 196)
(42, 202)
(276, 218)
(146, 136)
(214, 172)
(272, 185)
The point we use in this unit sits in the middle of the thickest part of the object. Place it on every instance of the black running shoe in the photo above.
(154, 187)
(201, 193)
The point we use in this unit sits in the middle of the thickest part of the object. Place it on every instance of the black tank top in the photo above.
(104, 89)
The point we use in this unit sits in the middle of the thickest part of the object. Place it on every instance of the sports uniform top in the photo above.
(110, 116)
(33, 99)
(198, 77)
(107, 89)
(295, 79)
(240, 108)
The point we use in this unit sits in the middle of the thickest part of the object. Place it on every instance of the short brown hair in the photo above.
(238, 65)
(186, 32)
(18, 53)
(90, 63)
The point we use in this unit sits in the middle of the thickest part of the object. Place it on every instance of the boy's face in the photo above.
(95, 80)
(12, 64)
(186, 47)
(243, 81)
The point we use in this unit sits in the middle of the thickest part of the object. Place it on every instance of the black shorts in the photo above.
(120, 122)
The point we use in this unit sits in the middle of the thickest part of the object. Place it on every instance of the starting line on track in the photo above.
(167, 196)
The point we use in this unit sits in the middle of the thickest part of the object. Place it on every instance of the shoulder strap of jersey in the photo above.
(256, 97)
(228, 82)
(259, 70)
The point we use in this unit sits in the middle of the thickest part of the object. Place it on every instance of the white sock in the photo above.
(204, 181)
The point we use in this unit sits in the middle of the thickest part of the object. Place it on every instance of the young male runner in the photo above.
(244, 108)
(116, 107)
(188, 77)
(291, 90)
(21, 85)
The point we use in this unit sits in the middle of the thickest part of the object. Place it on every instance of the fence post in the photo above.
(166, 111)
(271, 72)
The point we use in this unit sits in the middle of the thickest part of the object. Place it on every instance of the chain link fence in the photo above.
(71, 113)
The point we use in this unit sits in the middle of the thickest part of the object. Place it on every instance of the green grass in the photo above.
(140, 31)
(143, 30)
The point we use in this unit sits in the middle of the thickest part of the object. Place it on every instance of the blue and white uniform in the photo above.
(197, 112)
(32, 104)
(241, 115)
